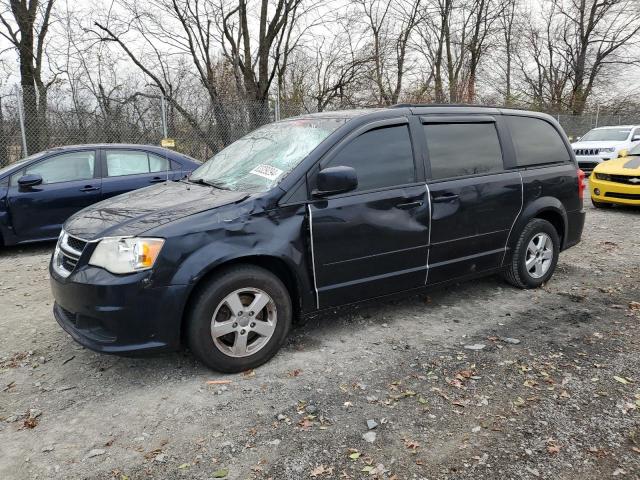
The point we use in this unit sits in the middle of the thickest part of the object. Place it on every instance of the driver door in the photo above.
(373, 240)
(70, 182)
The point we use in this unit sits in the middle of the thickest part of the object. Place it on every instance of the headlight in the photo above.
(126, 255)
(608, 149)
(603, 176)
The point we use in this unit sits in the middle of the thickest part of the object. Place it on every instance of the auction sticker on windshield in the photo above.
(267, 171)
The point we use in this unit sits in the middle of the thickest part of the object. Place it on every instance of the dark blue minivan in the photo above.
(39, 193)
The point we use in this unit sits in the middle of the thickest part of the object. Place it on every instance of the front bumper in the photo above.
(613, 192)
(118, 313)
(588, 162)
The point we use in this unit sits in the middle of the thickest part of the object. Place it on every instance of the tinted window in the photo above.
(459, 149)
(61, 168)
(382, 158)
(536, 141)
(126, 162)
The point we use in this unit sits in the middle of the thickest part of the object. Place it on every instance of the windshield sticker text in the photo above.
(267, 171)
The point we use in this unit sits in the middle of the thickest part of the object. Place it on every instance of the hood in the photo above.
(140, 210)
(620, 166)
(600, 144)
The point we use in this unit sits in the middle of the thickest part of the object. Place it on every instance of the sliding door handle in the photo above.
(447, 197)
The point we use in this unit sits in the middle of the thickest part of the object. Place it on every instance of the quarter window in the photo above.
(536, 142)
(381, 158)
(130, 162)
(461, 149)
(65, 167)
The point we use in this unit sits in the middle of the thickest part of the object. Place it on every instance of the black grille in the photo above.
(626, 196)
(587, 151)
(68, 262)
(627, 179)
(76, 243)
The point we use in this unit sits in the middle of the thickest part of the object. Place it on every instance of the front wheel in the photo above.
(239, 319)
(535, 256)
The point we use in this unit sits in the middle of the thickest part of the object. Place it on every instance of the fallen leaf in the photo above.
(221, 473)
(553, 448)
(354, 456)
(622, 380)
(218, 382)
(321, 470)
(183, 466)
(411, 445)
(296, 372)
(249, 373)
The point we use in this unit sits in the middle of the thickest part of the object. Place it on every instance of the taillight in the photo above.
(581, 185)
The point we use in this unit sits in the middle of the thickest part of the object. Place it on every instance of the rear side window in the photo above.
(536, 142)
(131, 162)
(461, 149)
(381, 158)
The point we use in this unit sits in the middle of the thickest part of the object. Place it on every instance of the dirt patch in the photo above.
(550, 390)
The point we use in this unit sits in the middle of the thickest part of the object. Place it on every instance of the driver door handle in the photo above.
(409, 205)
(157, 179)
(89, 188)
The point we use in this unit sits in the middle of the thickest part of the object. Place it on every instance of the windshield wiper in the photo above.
(202, 181)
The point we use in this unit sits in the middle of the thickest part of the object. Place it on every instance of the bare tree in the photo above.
(390, 24)
(25, 23)
(598, 34)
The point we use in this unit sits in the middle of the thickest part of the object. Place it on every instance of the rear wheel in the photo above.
(601, 204)
(239, 319)
(535, 256)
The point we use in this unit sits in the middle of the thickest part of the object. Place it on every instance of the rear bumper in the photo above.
(575, 225)
(613, 192)
(118, 314)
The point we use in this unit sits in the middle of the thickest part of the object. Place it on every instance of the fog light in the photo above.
(596, 191)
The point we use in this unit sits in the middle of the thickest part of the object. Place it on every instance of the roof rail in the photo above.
(407, 105)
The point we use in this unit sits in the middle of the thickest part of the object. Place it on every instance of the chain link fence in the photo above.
(30, 123)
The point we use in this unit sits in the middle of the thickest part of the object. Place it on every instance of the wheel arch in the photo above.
(545, 208)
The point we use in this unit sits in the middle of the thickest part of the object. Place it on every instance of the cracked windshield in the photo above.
(259, 160)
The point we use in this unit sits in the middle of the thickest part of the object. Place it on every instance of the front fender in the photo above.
(278, 234)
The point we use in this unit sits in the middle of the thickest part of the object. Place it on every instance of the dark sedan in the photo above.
(39, 193)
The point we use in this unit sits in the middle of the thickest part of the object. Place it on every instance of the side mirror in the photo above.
(622, 153)
(335, 180)
(635, 138)
(31, 180)
(578, 139)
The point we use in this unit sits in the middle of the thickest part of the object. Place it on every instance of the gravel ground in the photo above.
(552, 389)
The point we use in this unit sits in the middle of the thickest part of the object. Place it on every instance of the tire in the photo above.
(601, 204)
(517, 273)
(245, 284)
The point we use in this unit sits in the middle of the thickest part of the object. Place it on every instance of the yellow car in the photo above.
(616, 181)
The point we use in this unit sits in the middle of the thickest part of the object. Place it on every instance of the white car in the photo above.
(605, 143)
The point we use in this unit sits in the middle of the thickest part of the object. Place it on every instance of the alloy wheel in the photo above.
(539, 255)
(243, 322)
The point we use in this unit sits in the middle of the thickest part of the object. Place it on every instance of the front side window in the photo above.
(461, 149)
(259, 160)
(606, 134)
(381, 158)
(66, 167)
(536, 142)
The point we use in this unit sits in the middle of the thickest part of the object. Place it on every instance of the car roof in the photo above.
(425, 109)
